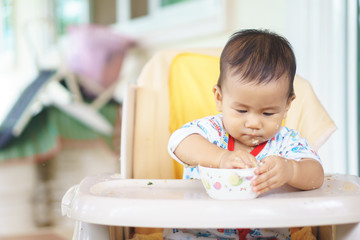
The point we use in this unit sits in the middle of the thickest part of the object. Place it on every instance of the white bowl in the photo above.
(228, 184)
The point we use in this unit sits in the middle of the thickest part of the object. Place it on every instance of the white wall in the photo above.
(317, 31)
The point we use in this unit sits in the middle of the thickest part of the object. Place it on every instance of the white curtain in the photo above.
(323, 37)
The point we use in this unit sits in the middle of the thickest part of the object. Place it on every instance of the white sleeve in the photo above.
(297, 148)
(210, 128)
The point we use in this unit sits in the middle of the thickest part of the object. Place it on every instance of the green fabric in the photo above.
(43, 131)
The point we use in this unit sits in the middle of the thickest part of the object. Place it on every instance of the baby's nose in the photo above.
(253, 122)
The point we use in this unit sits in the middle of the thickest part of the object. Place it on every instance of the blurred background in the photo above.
(65, 64)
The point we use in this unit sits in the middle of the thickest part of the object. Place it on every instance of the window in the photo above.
(170, 2)
(6, 34)
(160, 21)
(71, 12)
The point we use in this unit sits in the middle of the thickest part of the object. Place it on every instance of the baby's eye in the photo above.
(242, 111)
(268, 114)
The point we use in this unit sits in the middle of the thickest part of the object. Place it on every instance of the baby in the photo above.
(254, 93)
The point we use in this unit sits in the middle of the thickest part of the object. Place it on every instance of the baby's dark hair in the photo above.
(258, 55)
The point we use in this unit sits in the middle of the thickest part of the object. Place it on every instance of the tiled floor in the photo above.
(43, 234)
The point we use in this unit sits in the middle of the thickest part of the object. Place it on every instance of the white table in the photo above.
(106, 200)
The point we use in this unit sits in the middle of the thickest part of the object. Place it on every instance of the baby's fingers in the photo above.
(262, 178)
(253, 162)
(263, 188)
(264, 183)
(240, 163)
(263, 168)
(246, 162)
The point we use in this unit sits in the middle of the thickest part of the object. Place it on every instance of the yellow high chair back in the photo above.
(175, 87)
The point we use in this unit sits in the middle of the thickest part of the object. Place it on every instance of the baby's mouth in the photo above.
(255, 141)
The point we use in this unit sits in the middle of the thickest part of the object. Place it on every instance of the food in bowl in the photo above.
(228, 184)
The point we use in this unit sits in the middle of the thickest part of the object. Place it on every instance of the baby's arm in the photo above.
(199, 142)
(195, 149)
(305, 174)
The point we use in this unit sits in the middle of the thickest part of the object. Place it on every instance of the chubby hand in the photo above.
(273, 173)
(237, 159)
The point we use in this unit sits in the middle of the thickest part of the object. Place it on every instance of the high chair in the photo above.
(174, 87)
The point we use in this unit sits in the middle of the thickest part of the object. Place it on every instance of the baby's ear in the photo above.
(288, 104)
(290, 100)
(218, 97)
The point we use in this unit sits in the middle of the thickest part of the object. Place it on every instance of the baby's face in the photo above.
(253, 113)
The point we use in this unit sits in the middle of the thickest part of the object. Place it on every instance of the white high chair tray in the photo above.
(109, 200)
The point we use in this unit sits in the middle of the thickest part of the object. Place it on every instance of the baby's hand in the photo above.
(273, 173)
(237, 159)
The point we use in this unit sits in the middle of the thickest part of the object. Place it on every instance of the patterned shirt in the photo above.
(286, 143)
